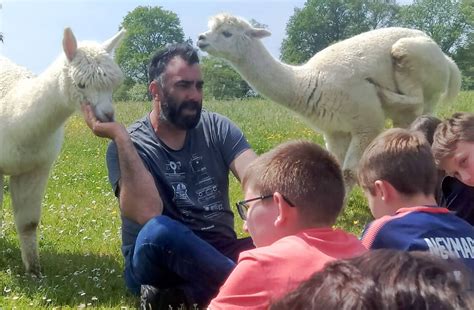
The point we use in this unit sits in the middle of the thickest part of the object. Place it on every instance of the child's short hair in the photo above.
(401, 157)
(426, 124)
(384, 279)
(460, 127)
(304, 173)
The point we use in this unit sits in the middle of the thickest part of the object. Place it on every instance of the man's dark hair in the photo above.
(163, 56)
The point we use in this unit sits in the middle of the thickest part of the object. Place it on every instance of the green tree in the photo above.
(221, 81)
(465, 60)
(446, 21)
(464, 55)
(148, 29)
(121, 93)
(323, 22)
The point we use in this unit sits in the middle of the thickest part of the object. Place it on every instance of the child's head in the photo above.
(383, 279)
(453, 147)
(426, 124)
(300, 185)
(399, 160)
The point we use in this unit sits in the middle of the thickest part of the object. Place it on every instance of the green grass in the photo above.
(80, 226)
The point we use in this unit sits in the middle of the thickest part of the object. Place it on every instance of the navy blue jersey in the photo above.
(423, 228)
(458, 197)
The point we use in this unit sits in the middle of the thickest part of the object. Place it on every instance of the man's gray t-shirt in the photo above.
(193, 181)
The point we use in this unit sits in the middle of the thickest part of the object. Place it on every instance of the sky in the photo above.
(33, 29)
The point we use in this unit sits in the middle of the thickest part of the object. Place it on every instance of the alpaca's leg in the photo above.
(404, 118)
(420, 71)
(367, 120)
(402, 108)
(27, 193)
(1, 205)
(430, 102)
(338, 143)
(357, 146)
(410, 101)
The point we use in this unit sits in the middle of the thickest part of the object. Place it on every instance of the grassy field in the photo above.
(80, 228)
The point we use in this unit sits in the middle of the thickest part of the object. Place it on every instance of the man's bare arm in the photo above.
(139, 198)
(240, 163)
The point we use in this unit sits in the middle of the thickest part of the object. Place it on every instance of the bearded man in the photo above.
(169, 171)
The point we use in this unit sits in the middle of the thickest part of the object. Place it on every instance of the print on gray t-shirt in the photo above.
(193, 181)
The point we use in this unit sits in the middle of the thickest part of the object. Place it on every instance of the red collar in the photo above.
(427, 209)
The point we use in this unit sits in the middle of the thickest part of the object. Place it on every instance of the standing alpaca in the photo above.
(348, 89)
(33, 111)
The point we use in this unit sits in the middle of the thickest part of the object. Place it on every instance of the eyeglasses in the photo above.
(243, 207)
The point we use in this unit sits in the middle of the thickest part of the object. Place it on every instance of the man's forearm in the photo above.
(139, 198)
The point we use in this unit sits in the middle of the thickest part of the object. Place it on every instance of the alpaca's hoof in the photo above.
(34, 270)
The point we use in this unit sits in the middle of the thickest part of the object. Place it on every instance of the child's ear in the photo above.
(284, 210)
(384, 190)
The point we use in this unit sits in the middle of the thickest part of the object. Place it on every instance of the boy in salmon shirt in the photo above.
(293, 195)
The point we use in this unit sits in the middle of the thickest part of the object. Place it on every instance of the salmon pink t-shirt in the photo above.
(265, 274)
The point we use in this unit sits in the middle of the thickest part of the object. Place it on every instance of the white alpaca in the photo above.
(33, 111)
(348, 89)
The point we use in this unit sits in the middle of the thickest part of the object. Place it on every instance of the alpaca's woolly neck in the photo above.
(47, 105)
(267, 75)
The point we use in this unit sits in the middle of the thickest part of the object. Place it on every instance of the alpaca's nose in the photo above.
(201, 37)
(109, 116)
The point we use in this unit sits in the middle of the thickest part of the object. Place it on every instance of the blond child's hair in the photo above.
(460, 127)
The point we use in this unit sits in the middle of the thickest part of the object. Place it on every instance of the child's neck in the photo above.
(415, 201)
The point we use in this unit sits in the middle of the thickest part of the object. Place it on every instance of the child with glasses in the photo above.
(293, 195)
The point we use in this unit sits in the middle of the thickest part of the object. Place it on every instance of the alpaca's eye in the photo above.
(81, 85)
(226, 34)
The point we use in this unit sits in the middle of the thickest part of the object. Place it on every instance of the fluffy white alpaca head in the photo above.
(229, 37)
(93, 73)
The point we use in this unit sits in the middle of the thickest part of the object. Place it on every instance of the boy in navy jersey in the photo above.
(451, 192)
(398, 175)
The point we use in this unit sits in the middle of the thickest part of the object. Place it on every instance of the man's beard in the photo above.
(173, 112)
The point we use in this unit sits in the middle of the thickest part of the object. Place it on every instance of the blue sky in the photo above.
(33, 28)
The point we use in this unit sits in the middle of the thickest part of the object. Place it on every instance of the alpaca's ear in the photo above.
(69, 44)
(113, 42)
(258, 33)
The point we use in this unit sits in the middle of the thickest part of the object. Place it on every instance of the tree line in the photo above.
(318, 24)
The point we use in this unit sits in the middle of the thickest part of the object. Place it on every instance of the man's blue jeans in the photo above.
(168, 254)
